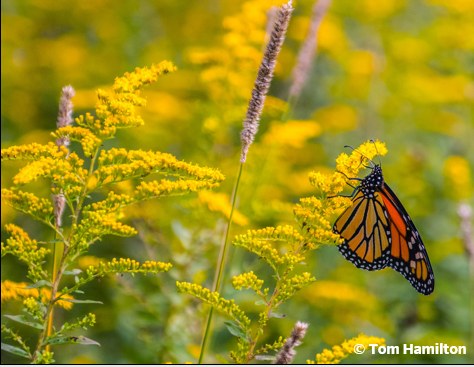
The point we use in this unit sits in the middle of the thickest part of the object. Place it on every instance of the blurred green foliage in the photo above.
(396, 70)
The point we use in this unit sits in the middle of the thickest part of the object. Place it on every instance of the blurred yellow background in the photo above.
(395, 70)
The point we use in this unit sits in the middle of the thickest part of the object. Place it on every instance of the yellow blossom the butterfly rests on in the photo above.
(313, 214)
(74, 179)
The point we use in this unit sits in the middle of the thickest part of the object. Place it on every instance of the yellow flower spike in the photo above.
(338, 353)
(247, 280)
(214, 300)
(40, 209)
(34, 152)
(84, 136)
(292, 285)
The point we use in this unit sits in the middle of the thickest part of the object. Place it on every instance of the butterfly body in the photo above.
(378, 232)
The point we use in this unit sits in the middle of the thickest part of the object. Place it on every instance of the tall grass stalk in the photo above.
(300, 74)
(251, 123)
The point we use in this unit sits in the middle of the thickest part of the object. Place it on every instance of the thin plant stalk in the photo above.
(251, 123)
(50, 320)
(221, 263)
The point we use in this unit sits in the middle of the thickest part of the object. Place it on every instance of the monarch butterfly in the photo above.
(378, 232)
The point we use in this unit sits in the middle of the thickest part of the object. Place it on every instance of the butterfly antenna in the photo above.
(375, 145)
(372, 163)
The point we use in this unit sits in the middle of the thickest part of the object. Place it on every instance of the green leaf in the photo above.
(41, 283)
(72, 272)
(23, 320)
(14, 350)
(222, 359)
(55, 241)
(237, 331)
(72, 340)
(80, 301)
(78, 291)
(260, 303)
(276, 315)
(266, 358)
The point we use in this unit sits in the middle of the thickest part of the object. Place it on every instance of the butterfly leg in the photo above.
(350, 178)
(345, 196)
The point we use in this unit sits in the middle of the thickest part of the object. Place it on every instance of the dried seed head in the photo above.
(308, 48)
(287, 352)
(65, 112)
(264, 77)
(64, 119)
(59, 203)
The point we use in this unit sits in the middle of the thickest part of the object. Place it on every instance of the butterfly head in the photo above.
(373, 182)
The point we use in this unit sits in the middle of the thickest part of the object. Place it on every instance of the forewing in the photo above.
(364, 226)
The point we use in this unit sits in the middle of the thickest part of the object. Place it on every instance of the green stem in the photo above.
(221, 264)
(50, 320)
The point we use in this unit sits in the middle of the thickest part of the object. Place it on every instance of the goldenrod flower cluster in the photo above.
(348, 166)
(89, 141)
(247, 280)
(276, 345)
(313, 214)
(45, 357)
(285, 234)
(33, 307)
(338, 353)
(263, 250)
(112, 204)
(120, 164)
(40, 209)
(68, 175)
(20, 245)
(239, 356)
(154, 189)
(12, 290)
(290, 286)
(96, 224)
(128, 266)
(34, 152)
(116, 109)
(213, 298)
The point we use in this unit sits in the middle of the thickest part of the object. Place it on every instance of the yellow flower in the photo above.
(34, 151)
(337, 353)
(88, 140)
(148, 190)
(247, 280)
(116, 109)
(213, 298)
(12, 290)
(129, 266)
(27, 203)
(292, 285)
(119, 164)
(313, 214)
